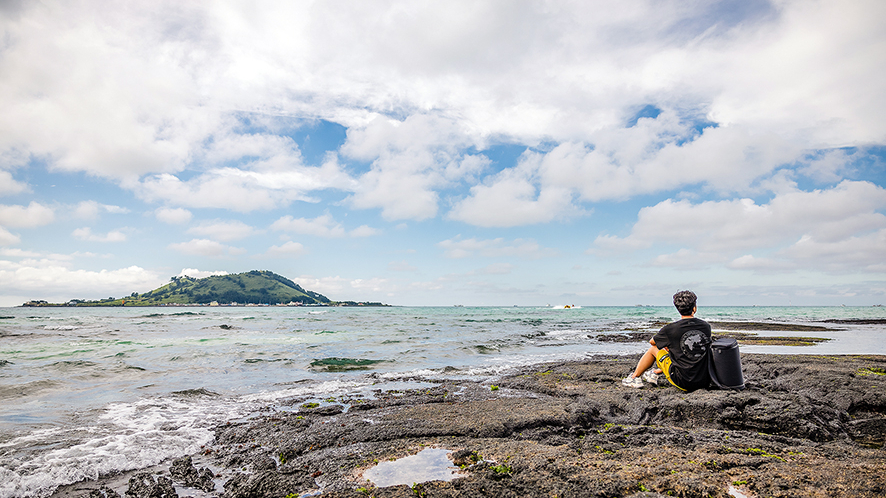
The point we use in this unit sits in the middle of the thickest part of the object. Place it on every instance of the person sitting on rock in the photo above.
(680, 350)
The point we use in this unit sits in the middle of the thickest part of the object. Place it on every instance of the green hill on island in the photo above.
(253, 287)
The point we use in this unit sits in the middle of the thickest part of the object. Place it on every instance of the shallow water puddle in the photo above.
(737, 493)
(429, 464)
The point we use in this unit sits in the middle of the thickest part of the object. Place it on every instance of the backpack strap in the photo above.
(712, 373)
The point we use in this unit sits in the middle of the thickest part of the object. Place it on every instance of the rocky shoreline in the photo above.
(806, 425)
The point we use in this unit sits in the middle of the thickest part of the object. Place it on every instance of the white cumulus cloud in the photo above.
(207, 248)
(321, 226)
(86, 233)
(195, 273)
(90, 210)
(410, 161)
(56, 282)
(491, 248)
(173, 216)
(34, 215)
(9, 185)
(287, 249)
(7, 238)
(861, 252)
(514, 198)
(243, 190)
(813, 224)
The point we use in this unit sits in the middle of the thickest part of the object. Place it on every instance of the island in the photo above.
(252, 288)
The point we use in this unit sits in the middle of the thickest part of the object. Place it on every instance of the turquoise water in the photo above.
(94, 390)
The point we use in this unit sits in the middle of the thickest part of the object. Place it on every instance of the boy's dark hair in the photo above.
(685, 302)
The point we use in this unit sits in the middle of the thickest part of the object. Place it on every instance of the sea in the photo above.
(86, 392)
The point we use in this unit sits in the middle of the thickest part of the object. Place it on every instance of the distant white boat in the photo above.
(566, 307)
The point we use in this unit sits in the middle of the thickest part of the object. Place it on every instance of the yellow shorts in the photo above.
(663, 361)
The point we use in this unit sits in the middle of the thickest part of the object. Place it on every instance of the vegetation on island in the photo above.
(256, 287)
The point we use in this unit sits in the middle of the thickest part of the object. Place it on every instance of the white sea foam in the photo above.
(128, 436)
(38, 435)
(40, 475)
(313, 389)
(419, 372)
(564, 334)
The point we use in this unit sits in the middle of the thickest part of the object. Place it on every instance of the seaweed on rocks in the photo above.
(343, 364)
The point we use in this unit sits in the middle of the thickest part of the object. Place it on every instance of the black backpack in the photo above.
(724, 364)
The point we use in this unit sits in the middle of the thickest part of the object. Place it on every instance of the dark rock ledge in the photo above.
(811, 426)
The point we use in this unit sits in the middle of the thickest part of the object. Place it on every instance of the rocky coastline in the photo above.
(806, 425)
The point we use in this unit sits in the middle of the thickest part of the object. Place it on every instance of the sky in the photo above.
(469, 152)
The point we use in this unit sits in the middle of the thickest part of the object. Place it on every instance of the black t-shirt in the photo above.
(689, 342)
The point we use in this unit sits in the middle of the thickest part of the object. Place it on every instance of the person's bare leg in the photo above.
(646, 361)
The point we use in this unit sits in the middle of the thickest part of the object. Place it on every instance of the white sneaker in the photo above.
(650, 377)
(634, 382)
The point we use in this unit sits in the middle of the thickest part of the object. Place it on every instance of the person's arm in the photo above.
(662, 342)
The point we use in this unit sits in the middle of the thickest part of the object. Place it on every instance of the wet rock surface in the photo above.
(183, 471)
(147, 485)
(805, 426)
